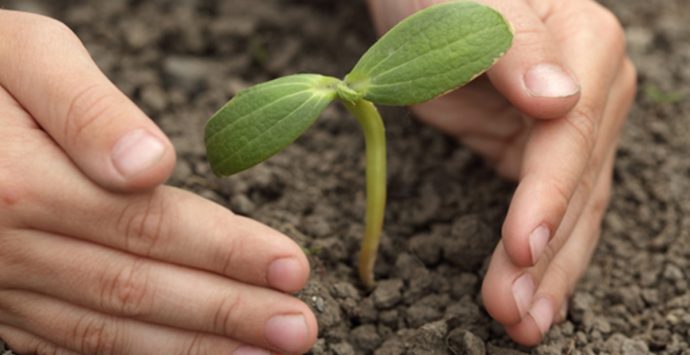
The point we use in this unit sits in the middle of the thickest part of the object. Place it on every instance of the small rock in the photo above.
(240, 26)
(387, 293)
(390, 317)
(317, 226)
(673, 273)
(602, 325)
(464, 284)
(466, 311)
(421, 313)
(430, 337)
(332, 249)
(469, 243)
(406, 266)
(495, 350)
(581, 303)
(661, 337)
(392, 346)
(318, 303)
(342, 348)
(345, 290)
(242, 204)
(650, 295)
(139, 34)
(365, 337)
(427, 248)
(548, 349)
(319, 347)
(634, 347)
(182, 171)
(461, 341)
(620, 344)
(366, 311)
(154, 97)
(188, 71)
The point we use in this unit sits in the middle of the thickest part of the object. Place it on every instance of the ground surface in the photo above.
(180, 60)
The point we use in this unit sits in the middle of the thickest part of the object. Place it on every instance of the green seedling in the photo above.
(658, 96)
(426, 55)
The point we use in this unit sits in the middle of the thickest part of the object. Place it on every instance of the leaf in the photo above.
(262, 120)
(431, 53)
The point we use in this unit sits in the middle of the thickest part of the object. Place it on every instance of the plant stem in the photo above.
(375, 140)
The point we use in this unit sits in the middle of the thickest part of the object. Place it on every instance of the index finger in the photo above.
(560, 151)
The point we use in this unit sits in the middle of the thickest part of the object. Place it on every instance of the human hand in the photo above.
(548, 114)
(95, 257)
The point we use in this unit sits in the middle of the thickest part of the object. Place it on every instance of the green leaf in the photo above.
(262, 120)
(431, 53)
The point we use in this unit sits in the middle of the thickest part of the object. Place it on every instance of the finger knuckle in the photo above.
(45, 348)
(13, 258)
(589, 177)
(561, 277)
(198, 346)
(600, 202)
(85, 111)
(560, 192)
(584, 124)
(225, 317)
(611, 25)
(43, 29)
(142, 223)
(228, 257)
(93, 335)
(129, 292)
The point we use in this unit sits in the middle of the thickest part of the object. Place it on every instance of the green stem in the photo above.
(375, 139)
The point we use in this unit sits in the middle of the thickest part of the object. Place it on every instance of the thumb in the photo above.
(100, 129)
(532, 75)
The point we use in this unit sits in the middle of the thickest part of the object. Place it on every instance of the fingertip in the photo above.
(288, 274)
(517, 245)
(525, 333)
(507, 290)
(551, 81)
(532, 218)
(292, 333)
(541, 91)
(140, 159)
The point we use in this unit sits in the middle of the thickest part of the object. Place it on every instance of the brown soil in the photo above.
(180, 60)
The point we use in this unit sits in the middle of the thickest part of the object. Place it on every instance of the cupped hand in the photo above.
(548, 115)
(95, 257)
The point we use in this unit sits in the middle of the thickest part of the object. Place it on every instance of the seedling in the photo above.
(426, 55)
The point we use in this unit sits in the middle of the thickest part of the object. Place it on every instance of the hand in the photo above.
(548, 114)
(95, 257)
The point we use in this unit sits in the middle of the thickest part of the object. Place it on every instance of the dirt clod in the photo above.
(180, 61)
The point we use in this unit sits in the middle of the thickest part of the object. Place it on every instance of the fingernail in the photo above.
(250, 350)
(136, 152)
(523, 291)
(537, 241)
(287, 332)
(284, 274)
(550, 80)
(542, 313)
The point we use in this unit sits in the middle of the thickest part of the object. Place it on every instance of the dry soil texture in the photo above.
(180, 60)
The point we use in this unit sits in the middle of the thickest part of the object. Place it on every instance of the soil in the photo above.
(180, 60)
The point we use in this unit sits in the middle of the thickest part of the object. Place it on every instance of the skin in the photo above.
(101, 258)
(554, 130)
(95, 255)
